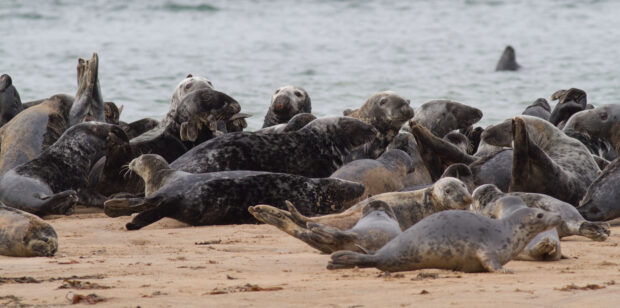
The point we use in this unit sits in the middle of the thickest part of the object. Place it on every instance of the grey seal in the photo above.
(601, 199)
(456, 240)
(25, 235)
(286, 102)
(10, 102)
(539, 108)
(508, 60)
(443, 116)
(88, 104)
(570, 102)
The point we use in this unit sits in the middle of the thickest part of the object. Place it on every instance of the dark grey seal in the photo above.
(443, 116)
(25, 235)
(49, 183)
(317, 150)
(10, 103)
(601, 199)
(286, 102)
(508, 60)
(570, 102)
(539, 108)
(455, 240)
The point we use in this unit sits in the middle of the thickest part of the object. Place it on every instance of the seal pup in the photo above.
(455, 240)
(88, 104)
(286, 102)
(387, 112)
(539, 108)
(199, 199)
(545, 246)
(32, 131)
(443, 116)
(317, 150)
(377, 226)
(572, 221)
(296, 123)
(508, 60)
(10, 103)
(49, 183)
(570, 102)
(385, 174)
(408, 208)
(25, 235)
(601, 199)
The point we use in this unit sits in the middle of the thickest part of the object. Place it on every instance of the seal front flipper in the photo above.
(489, 261)
(350, 259)
(150, 216)
(62, 203)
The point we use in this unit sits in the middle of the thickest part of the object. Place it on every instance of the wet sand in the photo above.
(169, 264)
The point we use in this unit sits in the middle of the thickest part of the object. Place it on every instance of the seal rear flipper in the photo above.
(91, 198)
(296, 216)
(149, 216)
(596, 231)
(530, 165)
(62, 203)
(126, 206)
(332, 237)
(350, 259)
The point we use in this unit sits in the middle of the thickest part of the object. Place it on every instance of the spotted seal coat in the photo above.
(25, 235)
(317, 150)
(199, 199)
(456, 240)
(294, 124)
(49, 184)
(286, 102)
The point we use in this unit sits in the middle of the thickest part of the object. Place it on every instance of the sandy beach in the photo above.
(169, 264)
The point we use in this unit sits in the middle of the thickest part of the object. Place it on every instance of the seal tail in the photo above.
(350, 259)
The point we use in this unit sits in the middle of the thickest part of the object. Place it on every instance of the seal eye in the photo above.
(539, 216)
(298, 94)
(187, 86)
(448, 191)
(603, 116)
(277, 91)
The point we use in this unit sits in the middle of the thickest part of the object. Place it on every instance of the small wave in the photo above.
(177, 7)
(29, 16)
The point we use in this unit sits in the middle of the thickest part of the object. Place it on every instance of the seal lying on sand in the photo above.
(377, 226)
(198, 199)
(33, 130)
(25, 235)
(10, 103)
(543, 247)
(385, 174)
(49, 183)
(387, 112)
(443, 116)
(408, 208)
(286, 102)
(601, 199)
(317, 150)
(508, 60)
(456, 240)
(572, 222)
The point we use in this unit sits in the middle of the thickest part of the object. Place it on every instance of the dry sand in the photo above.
(169, 264)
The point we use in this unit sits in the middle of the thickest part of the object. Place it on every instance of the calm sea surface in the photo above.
(341, 52)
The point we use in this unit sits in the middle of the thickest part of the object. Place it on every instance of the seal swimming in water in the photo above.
(508, 60)
(199, 199)
(25, 235)
(572, 221)
(377, 226)
(10, 103)
(455, 240)
(545, 246)
(88, 104)
(601, 199)
(317, 150)
(32, 131)
(539, 108)
(408, 207)
(385, 174)
(286, 102)
(443, 116)
(49, 183)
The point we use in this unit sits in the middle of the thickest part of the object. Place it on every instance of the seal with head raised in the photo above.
(25, 235)
(508, 60)
(387, 112)
(572, 222)
(10, 103)
(539, 108)
(408, 207)
(200, 199)
(377, 226)
(545, 246)
(286, 102)
(317, 150)
(49, 183)
(443, 116)
(455, 240)
(384, 174)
